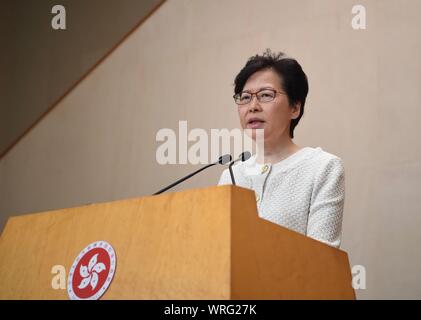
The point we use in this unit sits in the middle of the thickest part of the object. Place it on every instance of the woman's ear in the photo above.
(295, 110)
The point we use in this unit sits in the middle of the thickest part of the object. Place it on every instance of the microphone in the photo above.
(222, 160)
(242, 157)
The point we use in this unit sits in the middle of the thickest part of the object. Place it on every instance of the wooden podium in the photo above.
(197, 244)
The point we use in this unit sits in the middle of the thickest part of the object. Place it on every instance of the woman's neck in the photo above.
(278, 152)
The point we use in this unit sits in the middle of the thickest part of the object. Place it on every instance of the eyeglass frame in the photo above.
(256, 94)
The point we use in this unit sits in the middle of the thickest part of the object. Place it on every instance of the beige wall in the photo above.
(364, 105)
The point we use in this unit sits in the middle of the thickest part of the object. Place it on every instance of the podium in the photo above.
(197, 244)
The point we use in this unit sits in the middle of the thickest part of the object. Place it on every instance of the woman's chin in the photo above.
(255, 134)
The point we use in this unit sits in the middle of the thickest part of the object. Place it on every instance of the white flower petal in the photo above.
(99, 267)
(92, 262)
(84, 283)
(83, 271)
(94, 280)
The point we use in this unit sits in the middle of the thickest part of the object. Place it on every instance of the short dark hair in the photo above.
(293, 79)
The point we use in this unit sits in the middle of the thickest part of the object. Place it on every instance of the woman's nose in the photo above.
(254, 105)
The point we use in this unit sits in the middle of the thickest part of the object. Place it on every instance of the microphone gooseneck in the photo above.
(222, 160)
(242, 157)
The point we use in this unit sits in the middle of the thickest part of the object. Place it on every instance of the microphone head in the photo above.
(226, 158)
(245, 156)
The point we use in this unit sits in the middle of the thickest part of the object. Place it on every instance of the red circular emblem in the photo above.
(92, 272)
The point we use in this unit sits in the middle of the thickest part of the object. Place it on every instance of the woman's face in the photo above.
(274, 116)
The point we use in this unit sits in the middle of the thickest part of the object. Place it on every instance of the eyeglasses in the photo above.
(263, 95)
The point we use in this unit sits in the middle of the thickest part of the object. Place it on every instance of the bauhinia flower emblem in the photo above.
(90, 272)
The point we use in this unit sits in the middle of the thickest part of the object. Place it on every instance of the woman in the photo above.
(302, 189)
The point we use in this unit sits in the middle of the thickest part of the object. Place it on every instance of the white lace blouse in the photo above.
(304, 192)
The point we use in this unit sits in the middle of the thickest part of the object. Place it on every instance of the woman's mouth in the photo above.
(255, 124)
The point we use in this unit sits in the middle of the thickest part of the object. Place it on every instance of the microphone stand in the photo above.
(232, 173)
(242, 157)
(222, 160)
(185, 178)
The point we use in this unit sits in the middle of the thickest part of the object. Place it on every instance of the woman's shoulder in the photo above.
(325, 161)
(311, 159)
(308, 158)
(320, 155)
